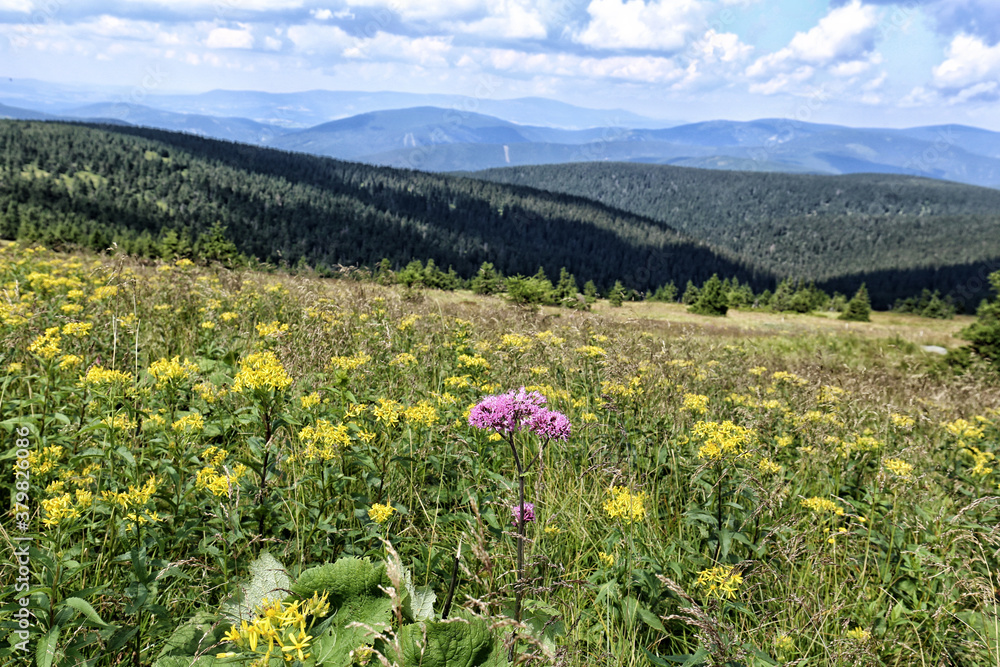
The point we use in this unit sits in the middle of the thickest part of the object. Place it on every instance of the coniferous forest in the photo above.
(158, 193)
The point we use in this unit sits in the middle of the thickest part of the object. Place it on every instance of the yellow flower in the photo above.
(901, 421)
(324, 440)
(77, 329)
(262, 370)
(859, 635)
(46, 346)
(606, 559)
(174, 370)
(898, 467)
(380, 513)
(696, 403)
(192, 422)
(624, 505)
(423, 414)
(272, 330)
(766, 465)
(403, 359)
(310, 401)
(722, 439)
(349, 363)
(720, 581)
(69, 361)
(387, 411)
(208, 325)
(592, 351)
(473, 361)
(822, 506)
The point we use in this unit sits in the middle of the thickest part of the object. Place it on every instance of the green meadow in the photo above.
(226, 467)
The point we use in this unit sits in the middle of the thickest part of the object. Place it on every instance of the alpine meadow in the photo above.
(555, 333)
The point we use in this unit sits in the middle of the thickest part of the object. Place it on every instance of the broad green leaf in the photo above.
(84, 608)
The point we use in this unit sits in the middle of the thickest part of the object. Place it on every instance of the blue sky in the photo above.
(855, 62)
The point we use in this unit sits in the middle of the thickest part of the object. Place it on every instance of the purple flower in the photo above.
(529, 513)
(550, 424)
(506, 412)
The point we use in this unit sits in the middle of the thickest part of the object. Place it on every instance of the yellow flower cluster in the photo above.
(822, 506)
(722, 439)
(46, 345)
(387, 411)
(515, 342)
(69, 361)
(324, 440)
(119, 422)
(282, 625)
(767, 466)
(964, 430)
(474, 362)
(592, 351)
(220, 484)
(380, 513)
(458, 381)
(620, 390)
(135, 497)
(696, 403)
(721, 581)
(607, 560)
(349, 363)
(898, 467)
(262, 370)
(65, 507)
(901, 421)
(423, 414)
(782, 377)
(980, 459)
(403, 359)
(272, 330)
(625, 505)
(77, 329)
(407, 322)
(310, 400)
(100, 377)
(45, 460)
(859, 635)
(192, 423)
(549, 338)
(171, 371)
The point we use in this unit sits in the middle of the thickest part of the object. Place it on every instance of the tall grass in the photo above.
(827, 499)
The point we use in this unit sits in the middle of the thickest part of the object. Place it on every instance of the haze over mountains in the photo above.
(459, 133)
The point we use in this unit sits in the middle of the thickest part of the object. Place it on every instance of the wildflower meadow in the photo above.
(216, 467)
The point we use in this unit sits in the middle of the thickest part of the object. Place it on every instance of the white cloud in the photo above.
(272, 43)
(509, 19)
(649, 69)
(228, 38)
(221, 6)
(319, 38)
(843, 42)
(386, 46)
(633, 24)
(322, 14)
(15, 5)
(422, 10)
(720, 47)
(970, 62)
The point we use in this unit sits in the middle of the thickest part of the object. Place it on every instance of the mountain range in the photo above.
(459, 133)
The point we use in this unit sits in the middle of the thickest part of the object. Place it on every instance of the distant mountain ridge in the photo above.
(437, 132)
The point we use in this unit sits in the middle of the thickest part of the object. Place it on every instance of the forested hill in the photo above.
(94, 185)
(809, 226)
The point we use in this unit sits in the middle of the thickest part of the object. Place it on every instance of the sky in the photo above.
(854, 62)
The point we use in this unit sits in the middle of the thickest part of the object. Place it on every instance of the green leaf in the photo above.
(268, 580)
(459, 642)
(419, 605)
(45, 652)
(84, 608)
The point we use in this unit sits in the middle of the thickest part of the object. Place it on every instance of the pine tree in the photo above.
(690, 294)
(617, 294)
(984, 334)
(859, 307)
(711, 298)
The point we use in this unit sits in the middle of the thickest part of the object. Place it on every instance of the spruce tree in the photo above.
(711, 298)
(984, 334)
(859, 307)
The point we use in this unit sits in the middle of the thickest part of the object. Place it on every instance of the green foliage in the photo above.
(926, 304)
(984, 334)
(690, 294)
(463, 641)
(885, 226)
(858, 309)
(616, 294)
(487, 280)
(665, 293)
(711, 299)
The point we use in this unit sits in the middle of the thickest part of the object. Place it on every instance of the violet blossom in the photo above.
(529, 513)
